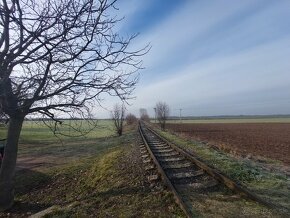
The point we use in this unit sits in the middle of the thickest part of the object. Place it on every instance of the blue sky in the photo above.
(215, 57)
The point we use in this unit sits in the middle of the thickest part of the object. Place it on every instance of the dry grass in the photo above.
(90, 179)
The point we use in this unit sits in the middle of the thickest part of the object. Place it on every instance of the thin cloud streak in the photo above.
(250, 72)
(208, 54)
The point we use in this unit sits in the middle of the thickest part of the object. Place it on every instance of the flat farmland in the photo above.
(266, 139)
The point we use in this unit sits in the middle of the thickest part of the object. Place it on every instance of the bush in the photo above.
(131, 119)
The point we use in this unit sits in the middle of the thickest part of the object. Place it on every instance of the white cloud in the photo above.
(262, 67)
(206, 51)
(178, 31)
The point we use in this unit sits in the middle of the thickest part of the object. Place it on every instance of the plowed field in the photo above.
(270, 140)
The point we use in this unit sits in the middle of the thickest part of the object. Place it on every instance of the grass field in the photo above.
(34, 132)
(98, 175)
(101, 175)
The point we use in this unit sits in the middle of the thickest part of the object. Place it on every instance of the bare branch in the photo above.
(62, 56)
(162, 113)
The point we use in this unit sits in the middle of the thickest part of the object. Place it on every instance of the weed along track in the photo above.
(198, 189)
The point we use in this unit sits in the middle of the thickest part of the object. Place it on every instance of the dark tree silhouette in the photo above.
(162, 113)
(58, 57)
(118, 116)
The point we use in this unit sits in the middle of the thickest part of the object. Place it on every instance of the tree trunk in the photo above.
(163, 125)
(120, 131)
(9, 163)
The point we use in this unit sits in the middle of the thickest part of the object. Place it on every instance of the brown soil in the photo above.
(269, 140)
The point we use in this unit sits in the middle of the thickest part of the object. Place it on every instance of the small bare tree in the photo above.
(131, 119)
(118, 115)
(58, 57)
(162, 113)
(144, 115)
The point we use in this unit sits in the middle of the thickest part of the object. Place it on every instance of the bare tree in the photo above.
(58, 57)
(144, 115)
(118, 115)
(162, 113)
(131, 119)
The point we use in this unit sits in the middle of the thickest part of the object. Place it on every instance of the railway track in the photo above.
(188, 178)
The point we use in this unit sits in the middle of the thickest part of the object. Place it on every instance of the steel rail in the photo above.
(216, 174)
(164, 177)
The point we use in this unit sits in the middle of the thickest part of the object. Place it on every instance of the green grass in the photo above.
(85, 176)
(37, 139)
(59, 157)
(98, 181)
(36, 132)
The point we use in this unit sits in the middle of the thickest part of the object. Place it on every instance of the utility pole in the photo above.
(155, 113)
(180, 110)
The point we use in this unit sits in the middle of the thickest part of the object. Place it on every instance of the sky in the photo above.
(215, 57)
